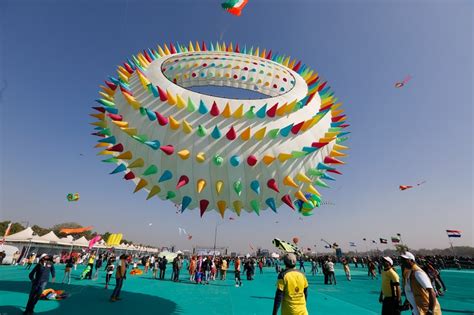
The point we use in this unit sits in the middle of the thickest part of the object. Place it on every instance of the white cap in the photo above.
(42, 256)
(386, 258)
(289, 259)
(408, 255)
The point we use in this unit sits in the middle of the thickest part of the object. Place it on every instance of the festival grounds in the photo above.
(143, 295)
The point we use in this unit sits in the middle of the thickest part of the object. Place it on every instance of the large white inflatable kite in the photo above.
(208, 152)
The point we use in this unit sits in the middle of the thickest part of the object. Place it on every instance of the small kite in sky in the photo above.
(402, 83)
(150, 224)
(183, 232)
(72, 197)
(234, 6)
(232, 218)
(405, 187)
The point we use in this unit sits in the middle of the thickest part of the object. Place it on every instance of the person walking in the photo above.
(156, 267)
(223, 269)
(192, 269)
(177, 265)
(91, 265)
(109, 269)
(98, 265)
(39, 277)
(237, 267)
(417, 287)
(330, 271)
(292, 289)
(390, 294)
(347, 268)
(67, 271)
(314, 267)
(301, 261)
(120, 276)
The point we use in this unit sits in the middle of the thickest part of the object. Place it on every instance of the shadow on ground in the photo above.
(86, 298)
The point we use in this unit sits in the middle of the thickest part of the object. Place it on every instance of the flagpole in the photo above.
(452, 248)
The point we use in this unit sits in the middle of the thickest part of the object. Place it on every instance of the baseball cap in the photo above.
(43, 256)
(408, 255)
(386, 258)
(290, 260)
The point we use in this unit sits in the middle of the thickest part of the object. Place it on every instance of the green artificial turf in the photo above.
(143, 295)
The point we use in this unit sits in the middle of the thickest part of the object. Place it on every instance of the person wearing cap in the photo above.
(292, 289)
(390, 294)
(418, 289)
(39, 277)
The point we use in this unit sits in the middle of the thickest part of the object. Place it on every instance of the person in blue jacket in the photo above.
(39, 277)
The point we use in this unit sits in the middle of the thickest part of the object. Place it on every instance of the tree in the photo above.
(15, 228)
(40, 230)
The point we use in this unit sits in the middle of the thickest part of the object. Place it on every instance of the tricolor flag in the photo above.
(352, 244)
(383, 241)
(453, 233)
(395, 239)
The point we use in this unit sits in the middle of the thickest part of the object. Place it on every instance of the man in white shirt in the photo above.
(418, 289)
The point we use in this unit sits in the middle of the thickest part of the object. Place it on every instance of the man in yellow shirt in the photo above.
(390, 293)
(292, 289)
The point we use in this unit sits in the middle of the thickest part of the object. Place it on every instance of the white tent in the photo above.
(26, 235)
(82, 242)
(50, 238)
(68, 240)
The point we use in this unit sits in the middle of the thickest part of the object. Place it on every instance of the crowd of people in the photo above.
(422, 282)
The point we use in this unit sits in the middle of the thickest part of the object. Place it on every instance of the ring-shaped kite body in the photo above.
(208, 152)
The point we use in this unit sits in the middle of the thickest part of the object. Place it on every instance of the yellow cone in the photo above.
(121, 124)
(335, 153)
(101, 145)
(132, 101)
(187, 127)
(142, 183)
(171, 98)
(174, 124)
(221, 205)
(201, 183)
(281, 111)
(180, 102)
(184, 154)
(100, 116)
(105, 152)
(137, 163)
(237, 206)
(282, 157)
(99, 123)
(245, 135)
(339, 147)
(127, 155)
(239, 112)
(200, 157)
(130, 131)
(154, 190)
(313, 190)
(219, 186)
(299, 194)
(336, 112)
(260, 134)
(288, 181)
(226, 113)
(268, 159)
(303, 178)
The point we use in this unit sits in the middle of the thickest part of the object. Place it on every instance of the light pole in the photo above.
(215, 237)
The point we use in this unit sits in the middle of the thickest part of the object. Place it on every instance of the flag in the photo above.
(327, 246)
(352, 244)
(395, 239)
(335, 245)
(453, 233)
(7, 231)
(383, 241)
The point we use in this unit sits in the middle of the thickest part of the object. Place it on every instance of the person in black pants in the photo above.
(163, 263)
(120, 275)
(39, 277)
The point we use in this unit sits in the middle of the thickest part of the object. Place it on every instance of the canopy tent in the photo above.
(81, 242)
(51, 238)
(68, 240)
(27, 235)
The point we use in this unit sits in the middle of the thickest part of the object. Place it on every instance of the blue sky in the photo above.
(55, 54)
